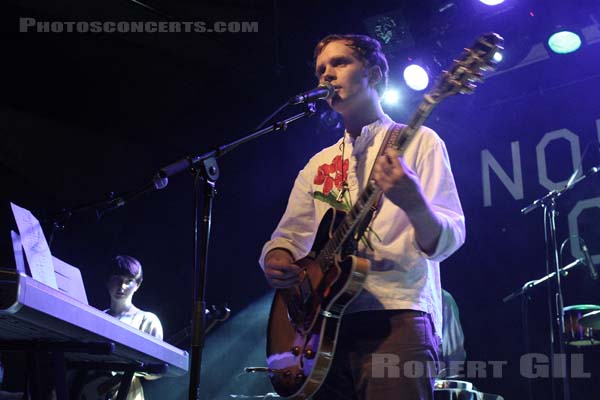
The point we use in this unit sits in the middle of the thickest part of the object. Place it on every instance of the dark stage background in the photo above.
(83, 115)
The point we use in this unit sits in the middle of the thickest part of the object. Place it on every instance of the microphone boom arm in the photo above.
(209, 158)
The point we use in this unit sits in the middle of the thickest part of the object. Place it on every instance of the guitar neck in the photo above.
(414, 124)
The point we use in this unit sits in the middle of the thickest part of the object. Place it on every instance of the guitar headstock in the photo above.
(468, 69)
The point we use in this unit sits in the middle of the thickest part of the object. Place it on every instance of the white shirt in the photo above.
(402, 276)
(147, 322)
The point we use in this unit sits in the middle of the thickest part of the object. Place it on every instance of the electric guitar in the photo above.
(304, 320)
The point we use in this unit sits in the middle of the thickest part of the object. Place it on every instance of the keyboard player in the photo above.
(124, 279)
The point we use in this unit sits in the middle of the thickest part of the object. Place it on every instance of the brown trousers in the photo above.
(383, 355)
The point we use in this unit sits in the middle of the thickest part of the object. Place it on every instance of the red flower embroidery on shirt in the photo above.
(332, 174)
(322, 173)
(340, 168)
(328, 185)
(338, 181)
(323, 178)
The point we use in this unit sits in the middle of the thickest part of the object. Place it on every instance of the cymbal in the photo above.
(591, 320)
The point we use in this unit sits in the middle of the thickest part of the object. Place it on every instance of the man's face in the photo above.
(339, 65)
(121, 287)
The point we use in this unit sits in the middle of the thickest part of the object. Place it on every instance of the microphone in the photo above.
(324, 91)
(588, 260)
(159, 181)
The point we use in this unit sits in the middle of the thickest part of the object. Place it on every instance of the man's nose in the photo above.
(328, 75)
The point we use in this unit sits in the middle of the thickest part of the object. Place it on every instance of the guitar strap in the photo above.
(391, 140)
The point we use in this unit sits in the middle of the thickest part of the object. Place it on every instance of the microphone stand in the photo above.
(206, 170)
(534, 283)
(524, 291)
(114, 201)
(548, 204)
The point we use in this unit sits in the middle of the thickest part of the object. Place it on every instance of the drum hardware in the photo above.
(548, 204)
(450, 389)
(591, 320)
(576, 334)
(452, 384)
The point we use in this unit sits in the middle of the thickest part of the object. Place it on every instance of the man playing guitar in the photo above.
(418, 222)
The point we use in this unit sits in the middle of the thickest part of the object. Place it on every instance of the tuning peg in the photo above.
(468, 88)
(490, 65)
(476, 77)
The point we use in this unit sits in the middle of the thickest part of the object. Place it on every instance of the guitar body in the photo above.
(304, 321)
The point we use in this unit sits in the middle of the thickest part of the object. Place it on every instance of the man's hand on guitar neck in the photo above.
(280, 270)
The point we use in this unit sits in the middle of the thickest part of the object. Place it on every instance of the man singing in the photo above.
(418, 223)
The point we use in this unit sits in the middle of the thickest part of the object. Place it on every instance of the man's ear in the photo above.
(137, 286)
(375, 75)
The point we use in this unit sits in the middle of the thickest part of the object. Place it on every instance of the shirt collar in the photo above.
(368, 131)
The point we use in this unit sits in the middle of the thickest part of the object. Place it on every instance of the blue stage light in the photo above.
(564, 42)
(391, 96)
(416, 77)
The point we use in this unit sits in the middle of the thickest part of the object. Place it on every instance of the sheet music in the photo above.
(36, 248)
(18, 252)
(69, 280)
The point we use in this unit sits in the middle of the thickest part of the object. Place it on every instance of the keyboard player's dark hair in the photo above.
(127, 266)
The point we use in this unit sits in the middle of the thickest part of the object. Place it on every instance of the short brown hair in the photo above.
(367, 50)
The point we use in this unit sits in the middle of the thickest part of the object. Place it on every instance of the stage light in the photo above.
(564, 42)
(416, 77)
(391, 96)
(492, 2)
(498, 56)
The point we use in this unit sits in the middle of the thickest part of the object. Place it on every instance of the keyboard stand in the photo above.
(40, 354)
